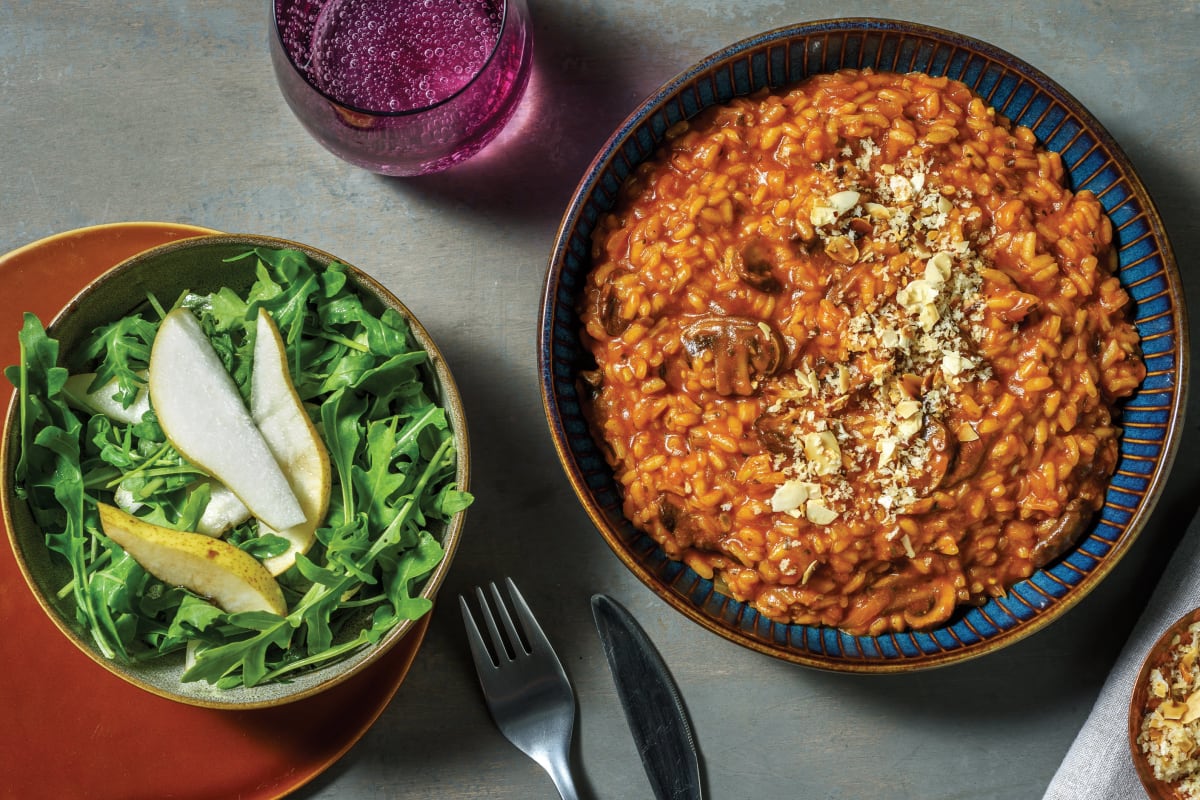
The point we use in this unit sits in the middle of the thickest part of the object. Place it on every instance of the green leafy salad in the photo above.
(361, 383)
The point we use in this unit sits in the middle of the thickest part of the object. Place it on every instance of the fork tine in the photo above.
(501, 648)
(533, 631)
(514, 636)
(479, 650)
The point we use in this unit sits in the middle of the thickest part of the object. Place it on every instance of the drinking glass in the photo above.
(402, 87)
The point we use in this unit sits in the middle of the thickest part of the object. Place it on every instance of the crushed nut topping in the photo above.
(906, 353)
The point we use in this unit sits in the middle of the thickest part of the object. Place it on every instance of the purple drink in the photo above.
(397, 55)
(402, 87)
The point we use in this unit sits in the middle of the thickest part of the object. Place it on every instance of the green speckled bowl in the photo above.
(198, 264)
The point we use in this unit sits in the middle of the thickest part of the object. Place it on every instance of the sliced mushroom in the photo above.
(775, 431)
(950, 460)
(965, 462)
(940, 452)
(670, 508)
(1056, 534)
(608, 311)
(677, 520)
(743, 351)
(754, 265)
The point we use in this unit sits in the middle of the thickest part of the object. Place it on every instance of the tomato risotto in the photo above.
(858, 350)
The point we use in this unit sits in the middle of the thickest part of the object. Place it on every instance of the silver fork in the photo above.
(526, 689)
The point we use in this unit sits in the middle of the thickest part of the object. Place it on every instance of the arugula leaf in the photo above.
(340, 420)
(122, 350)
(49, 475)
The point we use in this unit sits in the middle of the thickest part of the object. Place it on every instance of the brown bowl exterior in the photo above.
(1147, 269)
(1158, 654)
(199, 265)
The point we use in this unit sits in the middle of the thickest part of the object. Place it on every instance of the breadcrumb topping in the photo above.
(908, 353)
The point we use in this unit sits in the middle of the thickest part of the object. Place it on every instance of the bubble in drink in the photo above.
(397, 55)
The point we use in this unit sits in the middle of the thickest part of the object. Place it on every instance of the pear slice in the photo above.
(123, 499)
(292, 438)
(230, 577)
(224, 510)
(202, 413)
(101, 400)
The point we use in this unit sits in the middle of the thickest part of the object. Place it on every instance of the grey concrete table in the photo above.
(113, 111)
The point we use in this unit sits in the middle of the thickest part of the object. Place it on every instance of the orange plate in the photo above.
(72, 729)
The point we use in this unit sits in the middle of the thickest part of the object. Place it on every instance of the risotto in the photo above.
(858, 350)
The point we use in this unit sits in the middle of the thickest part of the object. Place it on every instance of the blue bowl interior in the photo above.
(1147, 269)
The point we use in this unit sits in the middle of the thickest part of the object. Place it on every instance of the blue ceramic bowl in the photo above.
(1152, 417)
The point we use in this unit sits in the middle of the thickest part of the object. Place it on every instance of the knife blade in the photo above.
(651, 701)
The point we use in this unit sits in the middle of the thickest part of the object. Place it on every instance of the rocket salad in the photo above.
(366, 386)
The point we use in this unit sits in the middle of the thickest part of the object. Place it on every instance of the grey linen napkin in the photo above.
(1099, 765)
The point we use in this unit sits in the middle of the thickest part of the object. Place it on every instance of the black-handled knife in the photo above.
(651, 701)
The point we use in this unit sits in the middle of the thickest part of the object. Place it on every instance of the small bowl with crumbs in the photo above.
(1164, 714)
